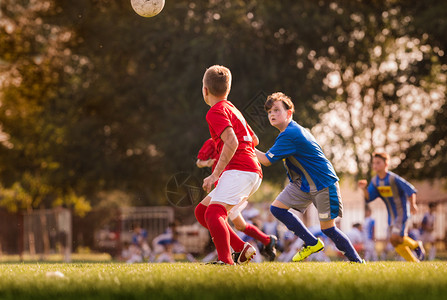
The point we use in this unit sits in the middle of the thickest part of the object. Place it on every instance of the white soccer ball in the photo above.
(147, 8)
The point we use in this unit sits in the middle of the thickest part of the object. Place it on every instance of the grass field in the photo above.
(336, 280)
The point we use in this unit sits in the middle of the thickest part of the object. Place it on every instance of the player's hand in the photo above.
(414, 208)
(210, 162)
(362, 183)
(208, 182)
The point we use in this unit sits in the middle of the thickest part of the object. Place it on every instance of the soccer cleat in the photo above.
(270, 250)
(420, 251)
(245, 255)
(308, 250)
(217, 262)
(363, 262)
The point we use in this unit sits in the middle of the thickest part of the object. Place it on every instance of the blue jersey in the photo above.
(303, 158)
(394, 191)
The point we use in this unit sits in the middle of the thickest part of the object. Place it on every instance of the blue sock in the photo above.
(294, 224)
(342, 243)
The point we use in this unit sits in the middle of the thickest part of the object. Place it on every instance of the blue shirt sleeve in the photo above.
(405, 186)
(284, 147)
(372, 192)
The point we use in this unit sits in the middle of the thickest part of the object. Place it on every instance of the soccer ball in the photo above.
(147, 8)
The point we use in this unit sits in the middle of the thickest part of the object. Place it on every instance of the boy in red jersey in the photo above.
(208, 157)
(238, 170)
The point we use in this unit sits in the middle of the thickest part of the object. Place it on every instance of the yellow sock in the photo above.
(408, 241)
(406, 253)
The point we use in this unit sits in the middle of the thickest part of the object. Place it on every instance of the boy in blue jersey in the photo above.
(312, 180)
(400, 198)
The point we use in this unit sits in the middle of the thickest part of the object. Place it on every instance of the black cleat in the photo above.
(270, 249)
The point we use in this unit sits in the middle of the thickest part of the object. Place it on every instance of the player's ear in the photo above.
(289, 114)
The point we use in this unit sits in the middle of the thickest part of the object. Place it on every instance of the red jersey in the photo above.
(209, 151)
(222, 115)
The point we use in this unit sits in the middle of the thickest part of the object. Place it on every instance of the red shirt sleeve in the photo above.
(218, 121)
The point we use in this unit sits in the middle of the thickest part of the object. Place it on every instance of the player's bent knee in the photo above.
(396, 240)
(327, 224)
(206, 201)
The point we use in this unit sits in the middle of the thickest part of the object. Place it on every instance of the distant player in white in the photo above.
(427, 230)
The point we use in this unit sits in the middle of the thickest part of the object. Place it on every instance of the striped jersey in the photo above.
(394, 191)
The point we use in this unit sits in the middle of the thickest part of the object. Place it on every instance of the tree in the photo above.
(37, 71)
(386, 86)
(428, 158)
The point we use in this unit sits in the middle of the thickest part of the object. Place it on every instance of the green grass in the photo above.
(337, 280)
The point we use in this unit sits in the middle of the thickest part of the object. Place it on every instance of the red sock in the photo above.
(200, 214)
(255, 233)
(216, 219)
(235, 241)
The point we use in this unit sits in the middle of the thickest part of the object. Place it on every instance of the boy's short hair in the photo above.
(217, 79)
(278, 96)
(432, 205)
(383, 155)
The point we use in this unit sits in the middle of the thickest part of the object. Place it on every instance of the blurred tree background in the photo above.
(95, 99)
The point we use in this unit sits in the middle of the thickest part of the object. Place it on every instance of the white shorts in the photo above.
(234, 185)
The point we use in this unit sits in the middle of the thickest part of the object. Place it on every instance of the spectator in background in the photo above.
(271, 227)
(139, 239)
(63, 218)
(369, 238)
(427, 230)
(131, 253)
(167, 255)
(166, 245)
(356, 236)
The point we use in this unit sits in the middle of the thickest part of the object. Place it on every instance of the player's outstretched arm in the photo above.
(205, 163)
(363, 184)
(413, 205)
(262, 158)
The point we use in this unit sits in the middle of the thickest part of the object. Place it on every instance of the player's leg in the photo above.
(340, 240)
(248, 251)
(216, 220)
(250, 229)
(401, 249)
(233, 186)
(290, 197)
(329, 205)
(200, 211)
(402, 243)
(253, 231)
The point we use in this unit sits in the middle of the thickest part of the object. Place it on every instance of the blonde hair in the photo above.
(217, 80)
(278, 96)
